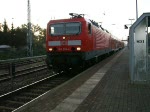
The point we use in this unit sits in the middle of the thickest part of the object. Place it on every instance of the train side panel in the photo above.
(101, 40)
(76, 41)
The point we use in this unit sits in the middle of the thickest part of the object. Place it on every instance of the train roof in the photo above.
(79, 17)
(74, 17)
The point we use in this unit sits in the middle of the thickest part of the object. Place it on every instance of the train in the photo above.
(76, 42)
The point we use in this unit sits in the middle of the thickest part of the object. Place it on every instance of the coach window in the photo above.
(89, 28)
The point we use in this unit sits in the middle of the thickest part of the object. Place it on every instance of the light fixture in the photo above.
(50, 49)
(64, 37)
(78, 48)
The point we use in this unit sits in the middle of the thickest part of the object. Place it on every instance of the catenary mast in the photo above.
(29, 31)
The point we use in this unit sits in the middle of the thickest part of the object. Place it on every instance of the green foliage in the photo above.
(17, 38)
(12, 54)
(5, 27)
(5, 38)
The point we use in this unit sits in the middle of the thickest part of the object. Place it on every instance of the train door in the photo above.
(91, 36)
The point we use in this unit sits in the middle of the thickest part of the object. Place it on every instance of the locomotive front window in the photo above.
(71, 28)
(57, 29)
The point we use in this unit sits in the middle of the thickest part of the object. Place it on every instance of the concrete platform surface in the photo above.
(105, 87)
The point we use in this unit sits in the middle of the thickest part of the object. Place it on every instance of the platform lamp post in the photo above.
(100, 23)
(136, 10)
(12, 33)
(113, 27)
(12, 64)
(131, 20)
(29, 31)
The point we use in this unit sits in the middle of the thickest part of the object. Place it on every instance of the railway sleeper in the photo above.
(55, 83)
(38, 91)
(11, 104)
(50, 86)
(15, 102)
(23, 98)
(19, 100)
(30, 94)
(47, 85)
(43, 87)
(5, 78)
(5, 109)
(59, 80)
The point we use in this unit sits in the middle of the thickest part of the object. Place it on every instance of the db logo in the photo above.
(64, 43)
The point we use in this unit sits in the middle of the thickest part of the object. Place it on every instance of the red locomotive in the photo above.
(77, 41)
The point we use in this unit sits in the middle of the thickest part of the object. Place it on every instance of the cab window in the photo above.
(89, 28)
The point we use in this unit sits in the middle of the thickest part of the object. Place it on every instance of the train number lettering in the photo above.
(63, 49)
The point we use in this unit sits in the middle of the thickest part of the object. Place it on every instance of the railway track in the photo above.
(25, 71)
(13, 100)
(4, 64)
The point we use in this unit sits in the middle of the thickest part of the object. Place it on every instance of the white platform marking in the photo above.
(71, 103)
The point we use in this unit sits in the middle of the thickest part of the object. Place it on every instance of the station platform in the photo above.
(105, 87)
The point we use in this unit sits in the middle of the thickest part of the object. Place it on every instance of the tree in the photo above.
(5, 35)
(5, 27)
(19, 37)
(38, 39)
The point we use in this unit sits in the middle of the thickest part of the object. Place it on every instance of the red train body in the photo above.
(76, 41)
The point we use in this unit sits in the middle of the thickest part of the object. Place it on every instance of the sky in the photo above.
(113, 14)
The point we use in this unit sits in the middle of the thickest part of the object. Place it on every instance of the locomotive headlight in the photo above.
(50, 49)
(64, 37)
(78, 48)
